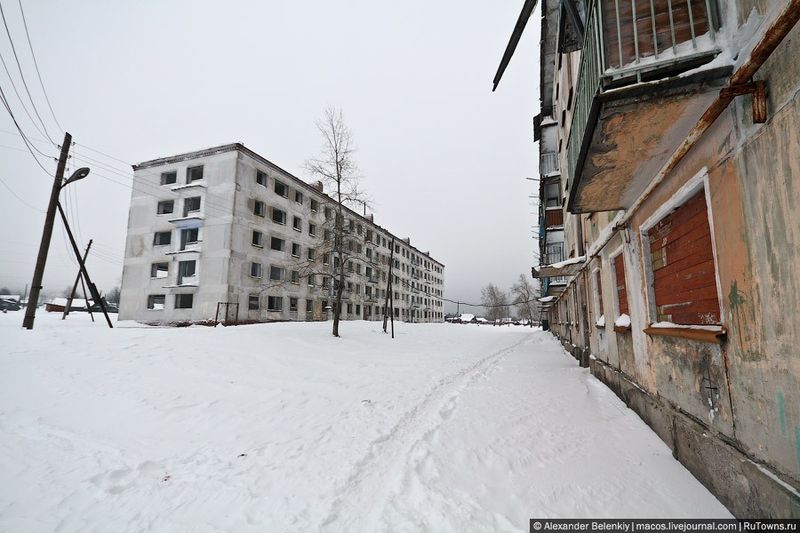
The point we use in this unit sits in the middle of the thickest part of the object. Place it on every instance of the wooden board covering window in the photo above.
(684, 277)
(554, 217)
(683, 24)
(599, 289)
(622, 290)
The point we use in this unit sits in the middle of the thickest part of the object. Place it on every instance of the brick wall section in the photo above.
(683, 266)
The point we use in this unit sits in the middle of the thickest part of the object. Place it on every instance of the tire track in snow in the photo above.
(365, 493)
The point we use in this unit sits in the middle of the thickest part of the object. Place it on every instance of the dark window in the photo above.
(275, 273)
(253, 302)
(295, 249)
(278, 216)
(258, 238)
(312, 230)
(293, 305)
(168, 178)
(311, 254)
(162, 238)
(261, 179)
(156, 301)
(165, 207)
(274, 303)
(314, 205)
(194, 173)
(622, 291)
(298, 197)
(159, 270)
(255, 270)
(184, 301)
(189, 236)
(295, 276)
(190, 205)
(277, 244)
(281, 189)
(297, 224)
(259, 209)
(186, 269)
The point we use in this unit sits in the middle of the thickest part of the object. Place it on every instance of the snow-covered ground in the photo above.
(283, 428)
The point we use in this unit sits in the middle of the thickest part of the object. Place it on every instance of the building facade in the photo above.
(676, 129)
(224, 234)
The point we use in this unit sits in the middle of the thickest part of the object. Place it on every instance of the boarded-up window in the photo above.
(599, 288)
(554, 217)
(684, 278)
(622, 290)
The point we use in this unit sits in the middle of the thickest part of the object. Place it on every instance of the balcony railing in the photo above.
(548, 164)
(627, 42)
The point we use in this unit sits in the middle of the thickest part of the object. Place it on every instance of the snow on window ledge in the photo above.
(703, 333)
(601, 322)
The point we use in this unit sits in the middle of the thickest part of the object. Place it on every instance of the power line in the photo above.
(36, 64)
(21, 75)
(28, 144)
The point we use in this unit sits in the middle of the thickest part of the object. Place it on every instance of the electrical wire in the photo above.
(22, 76)
(28, 144)
(15, 195)
(36, 64)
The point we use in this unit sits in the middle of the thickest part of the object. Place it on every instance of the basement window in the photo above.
(184, 301)
(156, 302)
(165, 207)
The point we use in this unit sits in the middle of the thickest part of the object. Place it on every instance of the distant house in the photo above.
(10, 302)
(466, 318)
(57, 305)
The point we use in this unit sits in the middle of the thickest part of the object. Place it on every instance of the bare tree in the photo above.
(337, 169)
(495, 301)
(523, 297)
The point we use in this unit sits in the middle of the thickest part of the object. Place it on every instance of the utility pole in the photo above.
(92, 287)
(47, 233)
(388, 286)
(75, 286)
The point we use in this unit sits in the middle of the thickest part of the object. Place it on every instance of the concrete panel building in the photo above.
(224, 233)
(675, 126)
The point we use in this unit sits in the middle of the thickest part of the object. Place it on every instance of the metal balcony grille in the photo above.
(627, 40)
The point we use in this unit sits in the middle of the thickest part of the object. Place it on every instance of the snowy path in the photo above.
(282, 428)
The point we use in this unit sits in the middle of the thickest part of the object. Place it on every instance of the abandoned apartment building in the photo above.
(669, 248)
(224, 234)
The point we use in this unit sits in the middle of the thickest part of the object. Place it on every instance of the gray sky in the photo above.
(444, 158)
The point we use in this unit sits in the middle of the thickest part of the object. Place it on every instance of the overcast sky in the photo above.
(443, 158)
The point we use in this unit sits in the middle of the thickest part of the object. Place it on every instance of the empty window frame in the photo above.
(314, 205)
(156, 302)
(165, 207)
(169, 178)
(194, 173)
(278, 216)
(276, 273)
(311, 254)
(281, 189)
(189, 237)
(159, 270)
(682, 263)
(312, 229)
(295, 277)
(295, 249)
(277, 244)
(191, 205)
(298, 197)
(297, 224)
(261, 178)
(253, 302)
(258, 239)
(274, 303)
(292, 304)
(259, 208)
(255, 269)
(186, 271)
(162, 238)
(184, 301)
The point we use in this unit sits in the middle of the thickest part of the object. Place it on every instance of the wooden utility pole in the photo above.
(75, 286)
(92, 287)
(47, 233)
(388, 286)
